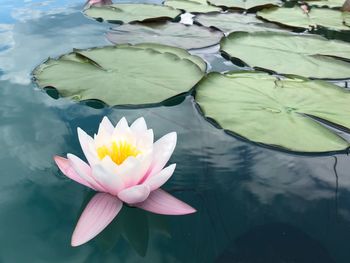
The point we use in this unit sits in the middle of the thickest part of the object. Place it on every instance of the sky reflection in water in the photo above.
(246, 195)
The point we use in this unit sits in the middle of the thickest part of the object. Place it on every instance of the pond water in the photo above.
(254, 204)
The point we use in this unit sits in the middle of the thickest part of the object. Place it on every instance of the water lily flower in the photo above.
(98, 2)
(124, 166)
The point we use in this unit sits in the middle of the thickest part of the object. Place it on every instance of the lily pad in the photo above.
(119, 75)
(192, 6)
(245, 4)
(296, 17)
(276, 112)
(126, 13)
(231, 22)
(172, 34)
(326, 3)
(304, 55)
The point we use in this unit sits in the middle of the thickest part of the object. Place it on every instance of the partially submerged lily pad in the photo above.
(120, 75)
(267, 110)
(245, 4)
(126, 13)
(296, 17)
(172, 34)
(192, 6)
(304, 55)
(231, 22)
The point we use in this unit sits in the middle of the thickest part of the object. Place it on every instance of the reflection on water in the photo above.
(248, 197)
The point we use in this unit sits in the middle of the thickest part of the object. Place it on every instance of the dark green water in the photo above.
(255, 205)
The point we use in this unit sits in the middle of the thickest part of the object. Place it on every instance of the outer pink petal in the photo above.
(135, 194)
(160, 202)
(66, 168)
(85, 142)
(97, 215)
(162, 151)
(157, 180)
(84, 171)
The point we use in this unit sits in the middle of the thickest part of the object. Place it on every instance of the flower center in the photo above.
(119, 151)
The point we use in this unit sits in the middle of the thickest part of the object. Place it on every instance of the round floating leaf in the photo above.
(245, 4)
(192, 6)
(172, 34)
(296, 17)
(266, 110)
(304, 55)
(327, 3)
(231, 22)
(126, 13)
(119, 75)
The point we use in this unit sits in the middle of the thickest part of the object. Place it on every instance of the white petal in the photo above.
(133, 169)
(139, 126)
(86, 143)
(144, 141)
(105, 174)
(162, 151)
(157, 180)
(135, 194)
(106, 126)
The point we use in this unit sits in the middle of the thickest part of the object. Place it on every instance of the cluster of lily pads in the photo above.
(281, 99)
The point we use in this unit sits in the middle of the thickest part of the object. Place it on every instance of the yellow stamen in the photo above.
(119, 151)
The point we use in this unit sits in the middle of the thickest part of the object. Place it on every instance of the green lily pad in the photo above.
(172, 34)
(270, 111)
(245, 4)
(192, 6)
(126, 13)
(231, 22)
(120, 75)
(303, 55)
(296, 17)
(326, 3)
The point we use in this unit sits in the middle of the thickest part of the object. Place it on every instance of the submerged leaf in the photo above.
(172, 34)
(296, 17)
(126, 13)
(121, 75)
(267, 110)
(304, 55)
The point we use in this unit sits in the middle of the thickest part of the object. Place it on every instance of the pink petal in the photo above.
(160, 202)
(135, 194)
(84, 171)
(97, 215)
(66, 168)
(157, 180)
(162, 151)
(85, 142)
